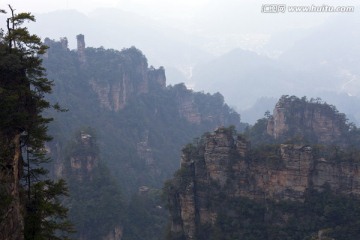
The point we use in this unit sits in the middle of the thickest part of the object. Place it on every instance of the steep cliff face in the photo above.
(118, 77)
(91, 188)
(127, 72)
(85, 160)
(142, 123)
(131, 77)
(310, 119)
(12, 208)
(222, 166)
(81, 48)
(119, 94)
(198, 108)
(114, 94)
(222, 163)
(187, 107)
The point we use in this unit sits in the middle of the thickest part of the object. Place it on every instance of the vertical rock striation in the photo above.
(12, 219)
(223, 165)
(115, 93)
(81, 48)
(312, 120)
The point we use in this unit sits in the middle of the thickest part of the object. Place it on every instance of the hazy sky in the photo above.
(229, 22)
(173, 6)
(217, 17)
(176, 9)
(197, 15)
(213, 26)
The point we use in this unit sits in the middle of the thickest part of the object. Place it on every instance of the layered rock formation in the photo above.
(198, 108)
(223, 165)
(310, 119)
(187, 106)
(117, 77)
(221, 160)
(132, 75)
(142, 122)
(114, 94)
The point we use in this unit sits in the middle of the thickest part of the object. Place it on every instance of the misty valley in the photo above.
(95, 144)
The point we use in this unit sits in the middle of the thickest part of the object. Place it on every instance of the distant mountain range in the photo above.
(319, 62)
(114, 28)
(323, 63)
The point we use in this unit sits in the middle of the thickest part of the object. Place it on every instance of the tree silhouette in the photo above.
(23, 129)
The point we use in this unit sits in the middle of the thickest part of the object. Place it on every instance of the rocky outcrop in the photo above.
(109, 95)
(85, 159)
(130, 74)
(313, 120)
(199, 108)
(12, 208)
(81, 48)
(63, 43)
(116, 234)
(157, 77)
(188, 108)
(91, 186)
(146, 153)
(223, 163)
(144, 150)
(116, 78)
(142, 122)
(343, 177)
(52, 44)
(115, 93)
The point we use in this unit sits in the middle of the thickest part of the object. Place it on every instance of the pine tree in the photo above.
(23, 129)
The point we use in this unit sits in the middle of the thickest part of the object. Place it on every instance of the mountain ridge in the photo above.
(223, 170)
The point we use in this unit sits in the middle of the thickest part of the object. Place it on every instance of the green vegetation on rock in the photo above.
(289, 186)
(31, 203)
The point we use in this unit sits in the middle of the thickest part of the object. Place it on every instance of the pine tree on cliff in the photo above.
(37, 214)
